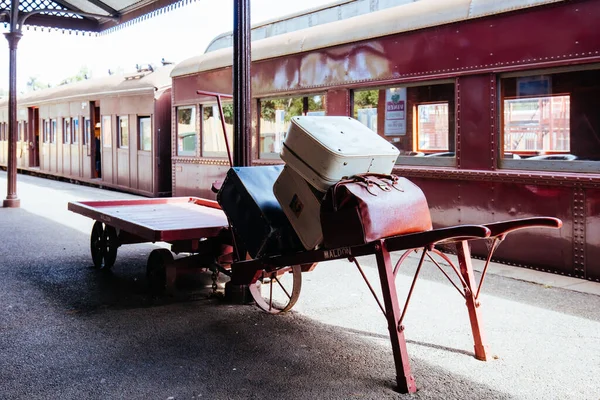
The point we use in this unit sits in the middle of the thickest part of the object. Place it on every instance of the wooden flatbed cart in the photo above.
(199, 227)
(189, 224)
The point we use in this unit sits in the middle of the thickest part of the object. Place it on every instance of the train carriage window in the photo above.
(275, 119)
(123, 136)
(187, 133)
(66, 130)
(53, 128)
(213, 141)
(20, 132)
(550, 121)
(418, 119)
(145, 129)
(432, 127)
(46, 131)
(75, 131)
(87, 131)
(106, 131)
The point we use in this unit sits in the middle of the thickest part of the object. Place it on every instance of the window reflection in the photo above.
(419, 120)
(187, 136)
(276, 115)
(213, 141)
(552, 117)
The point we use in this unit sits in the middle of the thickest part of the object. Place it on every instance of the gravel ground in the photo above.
(68, 331)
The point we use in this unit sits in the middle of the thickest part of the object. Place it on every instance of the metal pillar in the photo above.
(13, 39)
(242, 142)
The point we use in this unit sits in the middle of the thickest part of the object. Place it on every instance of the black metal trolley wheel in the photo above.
(156, 270)
(104, 243)
(277, 291)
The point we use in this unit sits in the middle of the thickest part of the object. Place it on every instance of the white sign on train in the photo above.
(395, 112)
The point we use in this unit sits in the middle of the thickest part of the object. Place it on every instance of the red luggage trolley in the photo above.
(199, 227)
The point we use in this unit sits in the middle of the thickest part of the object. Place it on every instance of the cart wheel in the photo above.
(156, 269)
(403, 257)
(278, 291)
(104, 243)
(407, 253)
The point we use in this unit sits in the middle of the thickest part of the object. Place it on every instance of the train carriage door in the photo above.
(32, 136)
(95, 145)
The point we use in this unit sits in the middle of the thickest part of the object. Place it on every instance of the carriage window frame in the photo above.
(45, 130)
(66, 134)
(420, 128)
(53, 129)
(414, 157)
(106, 131)
(75, 130)
(181, 152)
(142, 137)
(123, 134)
(586, 166)
(218, 130)
(87, 131)
(306, 110)
(20, 131)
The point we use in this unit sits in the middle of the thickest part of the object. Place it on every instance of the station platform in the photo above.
(70, 331)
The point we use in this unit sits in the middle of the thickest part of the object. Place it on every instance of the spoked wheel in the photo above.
(104, 243)
(277, 291)
(407, 253)
(156, 270)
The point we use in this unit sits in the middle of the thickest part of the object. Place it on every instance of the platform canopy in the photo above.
(90, 16)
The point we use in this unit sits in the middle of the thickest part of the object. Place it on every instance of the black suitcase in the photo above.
(256, 217)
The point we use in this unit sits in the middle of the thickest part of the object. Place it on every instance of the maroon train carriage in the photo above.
(112, 132)
(493, 107)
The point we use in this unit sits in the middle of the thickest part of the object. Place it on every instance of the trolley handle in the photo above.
(501, 229)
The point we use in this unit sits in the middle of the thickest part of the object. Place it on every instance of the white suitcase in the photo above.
(301, 203)
(325, 149)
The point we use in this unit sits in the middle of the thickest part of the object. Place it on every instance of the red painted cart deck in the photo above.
(167, 219)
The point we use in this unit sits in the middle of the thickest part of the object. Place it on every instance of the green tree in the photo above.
(83, 74)
(365, 99)
(33, 83)
(292, 106)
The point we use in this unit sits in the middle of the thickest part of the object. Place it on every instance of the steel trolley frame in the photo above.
(251, 271)
(198, 226)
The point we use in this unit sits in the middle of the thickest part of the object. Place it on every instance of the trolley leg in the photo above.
(404, 378)
(466, 269)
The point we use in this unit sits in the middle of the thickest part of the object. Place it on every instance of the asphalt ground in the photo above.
(69, 331)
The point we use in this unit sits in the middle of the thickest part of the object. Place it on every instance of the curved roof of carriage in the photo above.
(322, 14)
(122, 84)
(403, 18)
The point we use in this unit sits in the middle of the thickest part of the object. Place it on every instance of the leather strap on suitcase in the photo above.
(368, 207)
